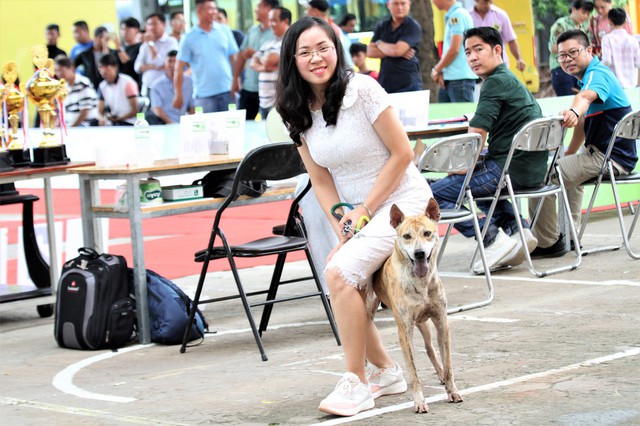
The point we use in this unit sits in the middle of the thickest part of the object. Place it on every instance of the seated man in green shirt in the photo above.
(505, 106)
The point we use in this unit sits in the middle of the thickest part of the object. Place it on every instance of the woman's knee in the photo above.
(336, 283)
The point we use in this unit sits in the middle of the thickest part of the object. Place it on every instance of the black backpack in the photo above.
(93, 308)
(218, 184)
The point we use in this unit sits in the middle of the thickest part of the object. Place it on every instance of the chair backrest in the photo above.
(628, 127)
(542, 134)
(274, 161)
(452, 155)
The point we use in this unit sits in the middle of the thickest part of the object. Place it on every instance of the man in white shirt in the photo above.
(117, 95)
(153, 52)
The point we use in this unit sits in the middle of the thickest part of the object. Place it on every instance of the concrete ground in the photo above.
(561, 350)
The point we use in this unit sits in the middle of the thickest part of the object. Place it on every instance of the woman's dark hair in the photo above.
(293, 93)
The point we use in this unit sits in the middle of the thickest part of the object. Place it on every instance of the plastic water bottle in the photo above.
(142, 136)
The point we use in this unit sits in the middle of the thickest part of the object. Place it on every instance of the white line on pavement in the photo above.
(488, 386)
(532, 279)
(64, 379)
(83, 412)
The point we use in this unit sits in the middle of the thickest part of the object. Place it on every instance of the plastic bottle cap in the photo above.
(198, 110)
(232, 107)
(140, 115)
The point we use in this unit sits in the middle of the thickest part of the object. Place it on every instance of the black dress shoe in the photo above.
(559, 248)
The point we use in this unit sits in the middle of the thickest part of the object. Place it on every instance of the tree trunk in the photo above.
(422, 12)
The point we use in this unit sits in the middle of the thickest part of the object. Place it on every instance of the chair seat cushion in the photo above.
(453, 214)
(633, 177)
(262, 247)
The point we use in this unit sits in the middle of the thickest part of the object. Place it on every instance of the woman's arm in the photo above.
(394, 137)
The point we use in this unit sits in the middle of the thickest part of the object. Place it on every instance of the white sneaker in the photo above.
(385, 381)
(501, 247)
(350, 397)
(517, 256)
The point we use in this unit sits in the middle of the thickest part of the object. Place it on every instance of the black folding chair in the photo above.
(272, 162)
(543, 134)
(629, 128)
(451, 155)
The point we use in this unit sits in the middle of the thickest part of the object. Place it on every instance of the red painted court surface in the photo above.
(171, 241)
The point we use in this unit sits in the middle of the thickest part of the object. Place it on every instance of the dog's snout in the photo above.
(419, 254)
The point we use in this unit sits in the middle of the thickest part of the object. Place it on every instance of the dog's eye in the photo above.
(427, 234)
(407, 236)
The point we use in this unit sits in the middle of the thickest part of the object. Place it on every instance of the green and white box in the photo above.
(181, 192)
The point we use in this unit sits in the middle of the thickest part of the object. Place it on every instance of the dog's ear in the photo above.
(433, 210)
(396, 216)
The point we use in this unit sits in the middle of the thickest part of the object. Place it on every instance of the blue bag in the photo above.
(169, 311)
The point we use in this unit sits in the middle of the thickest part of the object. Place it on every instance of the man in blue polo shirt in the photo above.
(594, 113)
(210, 49)
(395, 41)
(452, 73)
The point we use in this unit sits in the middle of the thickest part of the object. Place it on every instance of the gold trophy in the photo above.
(14, 103)
(42, 90)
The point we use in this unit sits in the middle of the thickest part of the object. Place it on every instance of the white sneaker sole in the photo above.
(347, 412)
(399, 387)
(496, 257)
(516, 256)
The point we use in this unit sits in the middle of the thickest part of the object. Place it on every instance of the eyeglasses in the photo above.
(573, 53)
(321, 51)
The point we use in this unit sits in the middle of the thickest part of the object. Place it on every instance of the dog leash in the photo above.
(348, 226)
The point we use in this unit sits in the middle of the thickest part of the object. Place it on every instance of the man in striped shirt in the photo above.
(80, 106)
(266, 60)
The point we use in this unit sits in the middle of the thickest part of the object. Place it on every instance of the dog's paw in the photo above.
(455, 397)
(420, 406)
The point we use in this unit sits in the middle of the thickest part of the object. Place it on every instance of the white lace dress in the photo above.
(354, 154)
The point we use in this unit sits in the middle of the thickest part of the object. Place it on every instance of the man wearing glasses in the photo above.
(594, 113)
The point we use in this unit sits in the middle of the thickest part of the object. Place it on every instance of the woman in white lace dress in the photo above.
(353, 144)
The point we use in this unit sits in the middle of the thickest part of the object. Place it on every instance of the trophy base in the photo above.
(5, 162)
(7, 189)
(49, 156)
(20, 157)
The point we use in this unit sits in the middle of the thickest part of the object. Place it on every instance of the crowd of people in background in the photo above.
(112, 77)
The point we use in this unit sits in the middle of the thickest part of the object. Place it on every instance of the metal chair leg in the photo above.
(273, 291)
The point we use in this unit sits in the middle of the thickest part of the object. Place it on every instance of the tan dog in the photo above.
(408, 283)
